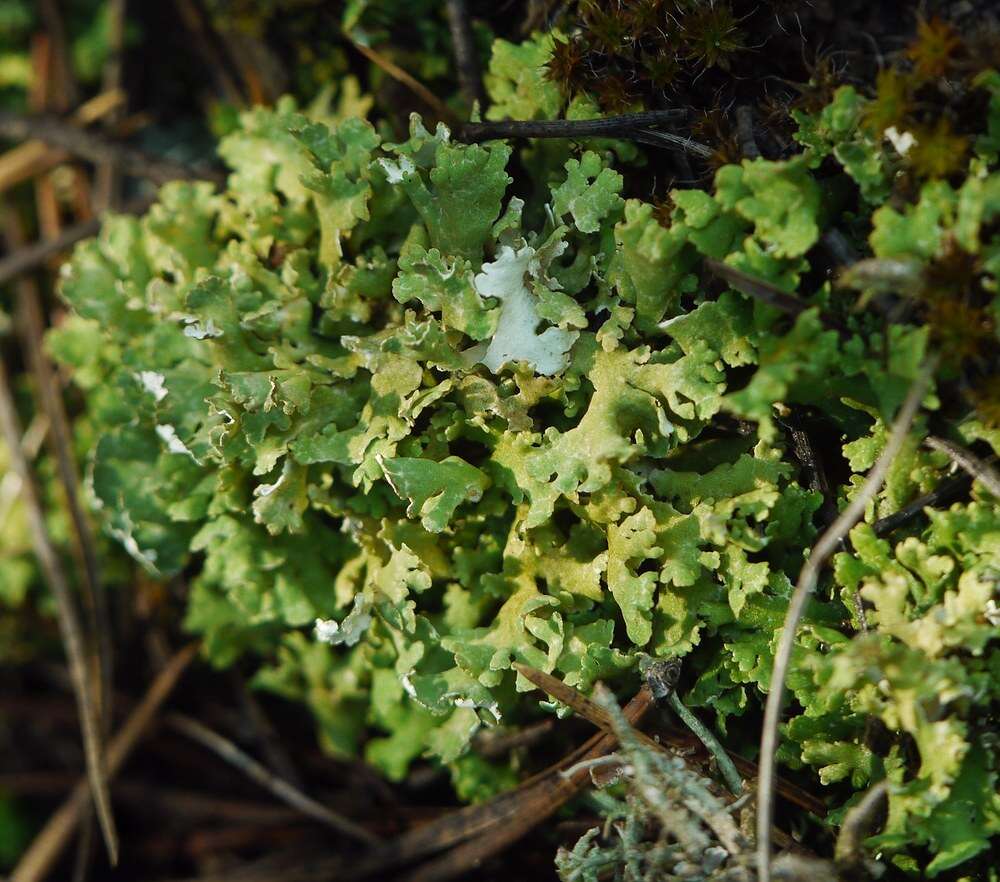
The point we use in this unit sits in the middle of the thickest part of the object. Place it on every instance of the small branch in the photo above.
(32, 256)
(44, 851)
(966, 460)
(947, 491)
(36, 157)
(464, 46)
(744, 131)
(212, 51)
(60, 436)
(107, 183)
(765, 292)
(707, 737)
(69, 624)
(808, 577)
(407, 79)
(849, 853)
(55, 131)
(278, 787)
(634, 126)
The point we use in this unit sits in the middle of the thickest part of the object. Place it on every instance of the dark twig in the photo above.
(69, 624)
(280, 788)
(32, 256)
(744, 131)
(849, 853)
(966, 460)
(107, 184)
(62, 62)
(464, 46)
(765, 292)
(946, 492)
(44, 851)
(808, 577)
(97, 148)
(537, 803)
(212, 51)
(407, 79)
(267, 736)
(60, 436)
(635, 126)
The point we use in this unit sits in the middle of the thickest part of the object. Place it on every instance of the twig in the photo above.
(490, 743)
(49, 843)
(212, 51)
(107, 182)
(36, 157)
(463, 44)
(707, 737)
(808, 577)
(97, 148)
(69, 624)
(408, 80)
(10, 484)
(33, 326)
(947, 491)
(744, 131)
(765, 292)
(537, 804)
(966, 460)
(278, 787)
(661, 676)
(636, 126)
(848, 853)
(266, 735)
(28, 258)
(531, 802)
(65, 91)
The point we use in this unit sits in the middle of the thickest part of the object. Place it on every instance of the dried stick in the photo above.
(107, 183)
(33, 326)
(278, 787)
(97, 148)
(707, 737)
(48, 845)
(947, 491)
(212, 50)
(744, 130)
(536, 803)
(69, 624)
(808, 577)
(464, 46)
(62, 75)
(966, 460)
(267, 736)
(32, 256)
(36, 157)
(765, 292)
(636, 126)
(848, 853)
(408, 80)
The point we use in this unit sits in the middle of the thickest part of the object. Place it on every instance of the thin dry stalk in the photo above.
(407, 79)
(463, 42)
(69, 624)
(36, 157)
(98, 148)
(968, 462)
(107, 182)
(44, 851)
(36, 254)
(60, 437)
(808, 577)
(280, 788)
